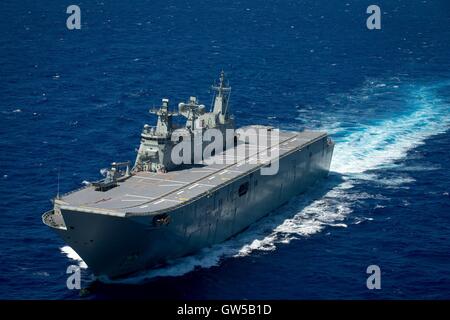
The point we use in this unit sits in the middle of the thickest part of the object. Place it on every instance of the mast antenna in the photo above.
(222, 91)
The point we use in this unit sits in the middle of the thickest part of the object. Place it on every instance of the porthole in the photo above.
(243, 188)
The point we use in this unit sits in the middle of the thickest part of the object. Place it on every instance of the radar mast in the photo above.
(221, 96)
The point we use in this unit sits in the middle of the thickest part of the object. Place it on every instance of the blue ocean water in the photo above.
(74, 101)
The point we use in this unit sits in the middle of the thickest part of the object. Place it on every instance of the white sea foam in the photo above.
(71, 254)
(367, 147)
(382, 144)
(379, 145)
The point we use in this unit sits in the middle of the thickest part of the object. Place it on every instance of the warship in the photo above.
(162, 208)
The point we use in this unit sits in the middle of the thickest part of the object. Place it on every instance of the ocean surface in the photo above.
(71, 102)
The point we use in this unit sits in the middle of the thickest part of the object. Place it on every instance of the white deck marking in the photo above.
(180, 192)
(165, 199)
(137, 196)
(170, 185)
(210, 178)
(235, 171)
(165, 180)
(133, 200)
(193, 186)
(205, 185)
(223, 172)
(144, 206)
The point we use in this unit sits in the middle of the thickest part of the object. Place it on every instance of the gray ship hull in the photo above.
(116, 244)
